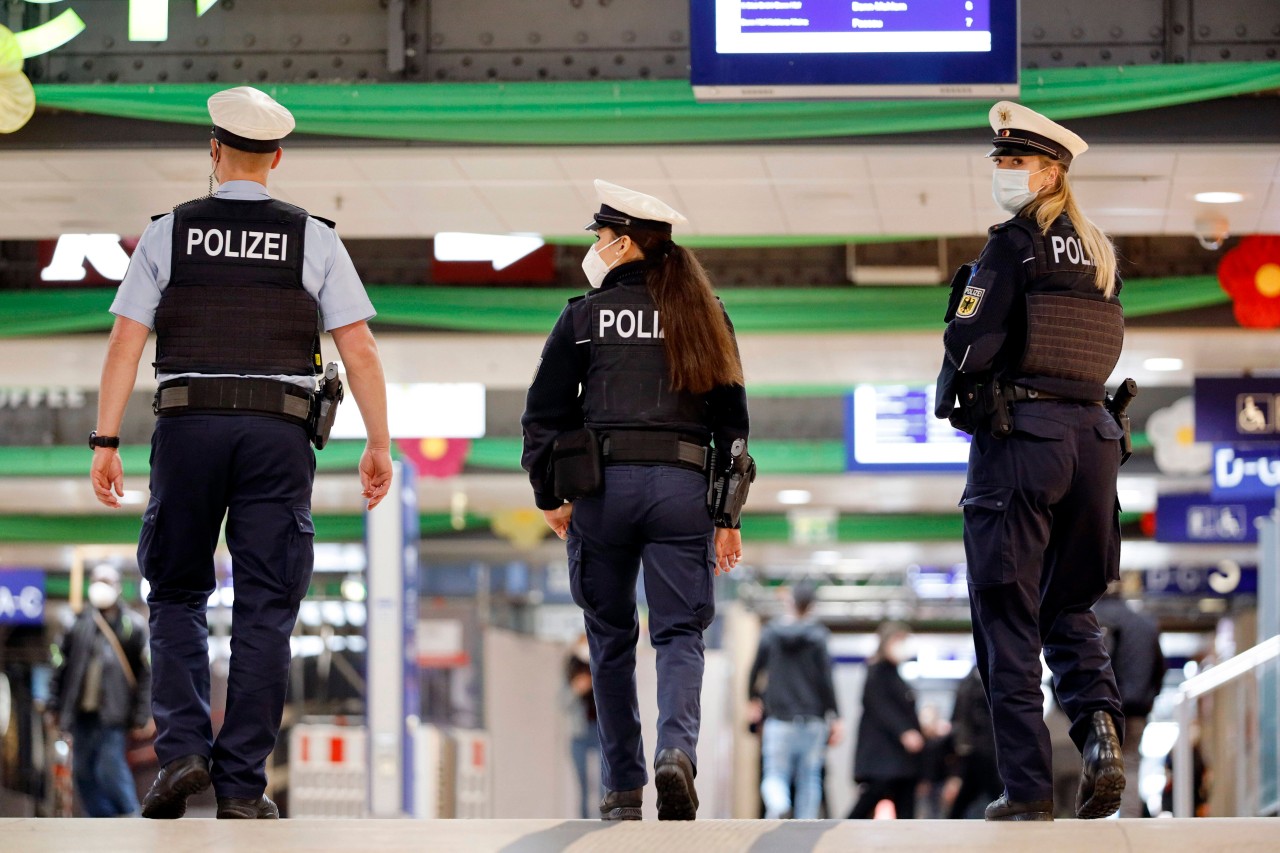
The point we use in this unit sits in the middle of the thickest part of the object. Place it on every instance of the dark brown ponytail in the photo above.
(701, 352)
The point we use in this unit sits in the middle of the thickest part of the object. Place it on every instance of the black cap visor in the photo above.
(1012, 142)
(609, 217)
(243, 143)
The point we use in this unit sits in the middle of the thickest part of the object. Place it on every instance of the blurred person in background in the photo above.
(584, 737)
(937, 762)
(1133, 641)
(791, 690)
(886, 763)
(975, 746)
(101, 689)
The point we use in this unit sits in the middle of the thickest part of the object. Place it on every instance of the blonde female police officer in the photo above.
(235, 286)
(1034, 329)
(637, 403)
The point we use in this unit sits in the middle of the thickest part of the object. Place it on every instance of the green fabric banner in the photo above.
(658, 111)
(534, 311)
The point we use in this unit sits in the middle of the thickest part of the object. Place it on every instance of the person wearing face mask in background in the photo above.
(635, 440)
(101, 688)
(1034, 329)
(886, 757)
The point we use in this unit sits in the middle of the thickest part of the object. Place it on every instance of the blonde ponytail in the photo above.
(1050, 204)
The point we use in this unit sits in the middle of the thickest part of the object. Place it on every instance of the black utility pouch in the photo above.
(577, 465)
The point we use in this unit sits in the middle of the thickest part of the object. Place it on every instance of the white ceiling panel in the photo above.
(725, 190)
(515, 166)
(713, 164)
(616, 168)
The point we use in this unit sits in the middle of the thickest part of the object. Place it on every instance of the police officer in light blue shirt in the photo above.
(237, 287)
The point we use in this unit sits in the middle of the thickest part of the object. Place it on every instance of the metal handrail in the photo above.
(1184, 712)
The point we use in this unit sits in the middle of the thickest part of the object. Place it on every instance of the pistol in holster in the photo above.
(324, 406)
(728, 487)
(1118, 404)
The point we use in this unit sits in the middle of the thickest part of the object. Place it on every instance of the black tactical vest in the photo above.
(628, 383)
(235, 301)
(1073, 332)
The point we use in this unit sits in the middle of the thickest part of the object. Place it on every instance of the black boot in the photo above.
(1102, 776)
(238, 808)
(673, 776)
(176, 781)
(621, 805)
(1003, 809)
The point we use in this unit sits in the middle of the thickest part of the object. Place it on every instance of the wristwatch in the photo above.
(96, 441)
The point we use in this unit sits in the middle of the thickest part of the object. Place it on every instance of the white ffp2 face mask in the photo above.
(594, 267)
(1011, 188)
(103, 595)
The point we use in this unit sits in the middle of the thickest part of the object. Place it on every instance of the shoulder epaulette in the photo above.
(328, 222)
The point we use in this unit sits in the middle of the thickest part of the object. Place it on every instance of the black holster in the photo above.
(577, 465)
(324, 406)
(727, 489)
(1118, 406)
(984, 403)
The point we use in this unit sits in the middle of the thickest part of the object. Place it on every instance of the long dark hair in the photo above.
(701, 352)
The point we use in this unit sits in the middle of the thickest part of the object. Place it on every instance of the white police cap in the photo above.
(1020, 130)
(621, 206)
(249, 119)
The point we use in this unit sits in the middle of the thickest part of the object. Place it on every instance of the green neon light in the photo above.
(148, 20)
(203, 6)
(50, 35)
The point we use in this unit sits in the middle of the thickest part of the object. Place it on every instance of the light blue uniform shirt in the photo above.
(327, 273)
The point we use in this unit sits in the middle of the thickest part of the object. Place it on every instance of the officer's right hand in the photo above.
(107, 475)
(375, 474)
(728, 549)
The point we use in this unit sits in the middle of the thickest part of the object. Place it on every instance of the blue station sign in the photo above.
(21, 597)
(1237, 409)
(1200, 518)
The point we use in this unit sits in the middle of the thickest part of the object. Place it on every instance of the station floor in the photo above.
(194, 835)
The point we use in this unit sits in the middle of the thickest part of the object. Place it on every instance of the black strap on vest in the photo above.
(233, 393)
(651, 447)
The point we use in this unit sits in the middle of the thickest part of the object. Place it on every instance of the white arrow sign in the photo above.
(502, 250)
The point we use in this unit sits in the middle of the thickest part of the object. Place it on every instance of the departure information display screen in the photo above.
(761, 49)
(892, 427)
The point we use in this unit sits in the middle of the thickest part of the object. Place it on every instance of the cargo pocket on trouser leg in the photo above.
(573, 547)
(149, 539)
(706, 601)
(301, 554)
(986, 538)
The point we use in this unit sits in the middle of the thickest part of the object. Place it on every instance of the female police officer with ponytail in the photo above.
(635, 433)
(1034, 329)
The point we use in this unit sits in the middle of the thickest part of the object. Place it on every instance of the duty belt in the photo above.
(1018, 392)
(233, 393)
(644, 447)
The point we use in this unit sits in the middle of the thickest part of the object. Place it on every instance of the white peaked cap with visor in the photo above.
(621, 206)
(1021, 130)
(249, 119)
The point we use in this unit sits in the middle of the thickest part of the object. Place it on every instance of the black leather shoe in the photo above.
(622, 805)
(1102, 776)
(1003, 809)
(176, 781)
(673, 776)
(237, 808)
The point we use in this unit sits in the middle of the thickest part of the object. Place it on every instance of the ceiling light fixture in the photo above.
(1219, 197)
(1162, 365)
(794, 497)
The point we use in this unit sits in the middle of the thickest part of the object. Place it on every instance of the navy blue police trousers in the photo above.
(255, 472)
(1042, 541)
(655, 516)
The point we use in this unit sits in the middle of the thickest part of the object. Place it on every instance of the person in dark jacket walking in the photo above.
(976, 746)
(101, 689)
(1133, 641)
(886, 762)
(790, 688)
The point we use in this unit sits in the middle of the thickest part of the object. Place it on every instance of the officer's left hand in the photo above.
(107, 475)
(375, 474)
(728, 549)
(558, 519)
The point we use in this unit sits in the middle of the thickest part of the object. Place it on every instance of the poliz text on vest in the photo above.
(1071, 246)
(629, 323)
(231, 243)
